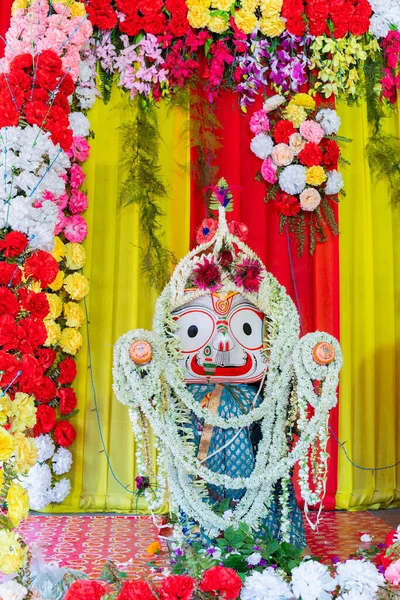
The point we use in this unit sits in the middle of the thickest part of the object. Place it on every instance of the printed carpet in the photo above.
(85, 542)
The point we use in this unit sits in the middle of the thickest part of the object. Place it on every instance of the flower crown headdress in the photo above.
(221, 262)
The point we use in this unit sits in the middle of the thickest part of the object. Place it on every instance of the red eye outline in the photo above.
(259, 314)
(177, 317)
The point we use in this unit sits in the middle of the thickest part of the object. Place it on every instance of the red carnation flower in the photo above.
(67, 370)
(331, 153)
(36, 113)
(66, 86)
(248, 274)
(221, 581)
(46, 390)
(68, 400)
(206, 275)
(13, 244)
(101, 14)
(136, 590)
(178, 587)
(10, 274)
(45, 420)
(9, 113)
(311, 155)
(8, 302)
(45, 357)
(85, 590)
(48, 66)
(9, 339)
(32, 333)
(22, 62)
(9, 367)
(32, 373)
(35, 303)
(64, 434)
(283, 130)
(131, 25)
(225, 258)
(288, 205)
(42, 267)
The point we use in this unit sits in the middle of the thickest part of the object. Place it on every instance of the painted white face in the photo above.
(222, 339)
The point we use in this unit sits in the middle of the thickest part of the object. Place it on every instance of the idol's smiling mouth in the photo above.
(227, 371)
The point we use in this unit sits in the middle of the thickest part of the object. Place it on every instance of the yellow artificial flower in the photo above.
(198, 17)
(296, 114)
(250, 5)
(59, 249)
(218, 24)
(75, 256)
(1, 479)
(17, 4)
(7, 444)
(73, 314)
(272, 27)
(303, 100)
(315, 175)
(154, 548)
(12, 555)
(55, 304)
(78, 9)
(225, 5)
(18, 503)
(23, 411)
(245, 20)
(77, 286)
(271, 8)
(195, 3)
(58, 282)
(35, 286)
(70, 340)
(26, 453)
(53, 332)
(5, 408)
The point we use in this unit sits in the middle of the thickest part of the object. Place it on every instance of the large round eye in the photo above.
(195, 329)
(246, 326)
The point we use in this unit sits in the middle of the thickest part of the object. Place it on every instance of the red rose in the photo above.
(226, 582)
(288, 205)
(9, 338)
(240, 230)
(45, 419)
(67, 370)
(283, 130)
(9, 367)
(85, 590)
(64, 434)
(178, 587)
(311, 155)
(68, 400)
(136, 590)
(35, 303)
(331, 153)
(45, 357)
(225, 258)
(101, 14)
(10, 274)
(14, 244)
(42, 267)
(45, 390)
(32, 333)
(8, 302)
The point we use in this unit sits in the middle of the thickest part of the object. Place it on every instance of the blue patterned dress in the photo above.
(237, 459)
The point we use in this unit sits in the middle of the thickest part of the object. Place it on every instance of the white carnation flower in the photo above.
(85, 72)
(62, 461)
(311, 581)
(45, 446)
(80, 124)
(60, 491)
(334, 183)
(292, 179)
(379, 26)
(359, 576)
(329, 120)
(273, 103)
(38, 499)
(366, 538)
(353, 595)
(267, 585)
(86, 96)
(254, 559)
(262, 145)
(39, 477)
(11, 590)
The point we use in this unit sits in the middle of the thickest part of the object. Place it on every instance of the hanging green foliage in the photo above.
(144, 187)
(383, 152)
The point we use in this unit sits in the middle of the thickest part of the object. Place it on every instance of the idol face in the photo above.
(222, 339)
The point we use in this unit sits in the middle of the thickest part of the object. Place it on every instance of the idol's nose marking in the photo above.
(222, 340)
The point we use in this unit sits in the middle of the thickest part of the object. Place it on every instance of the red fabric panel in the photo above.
(5, 15)
(317, 277)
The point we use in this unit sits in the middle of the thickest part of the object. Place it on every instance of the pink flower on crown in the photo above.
(76, 229)
(248, 274)
(206, 275)
(206, 231)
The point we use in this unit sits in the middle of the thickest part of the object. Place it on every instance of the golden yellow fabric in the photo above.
(118, 301)
(370, 328)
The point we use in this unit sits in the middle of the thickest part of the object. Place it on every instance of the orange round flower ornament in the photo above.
(141, 352)
(324, 353)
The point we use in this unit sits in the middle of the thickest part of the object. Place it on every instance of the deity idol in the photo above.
(233, 397)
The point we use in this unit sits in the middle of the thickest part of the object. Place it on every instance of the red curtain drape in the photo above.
(311, 281)
(5, 14)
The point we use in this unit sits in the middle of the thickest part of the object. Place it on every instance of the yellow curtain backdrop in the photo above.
(370, 327)
(119, 301)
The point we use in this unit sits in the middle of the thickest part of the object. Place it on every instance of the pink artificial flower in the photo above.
(80, 149)
(392, 573)
(240, 230)
(259, 122)
(206, 231)
(62, 201)
(312, 131)
(268, 171)
(76, 176)
(78, 202)
(61, 222)
(48, 196)
(248, 274)
(206, 275)
(76, 229)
